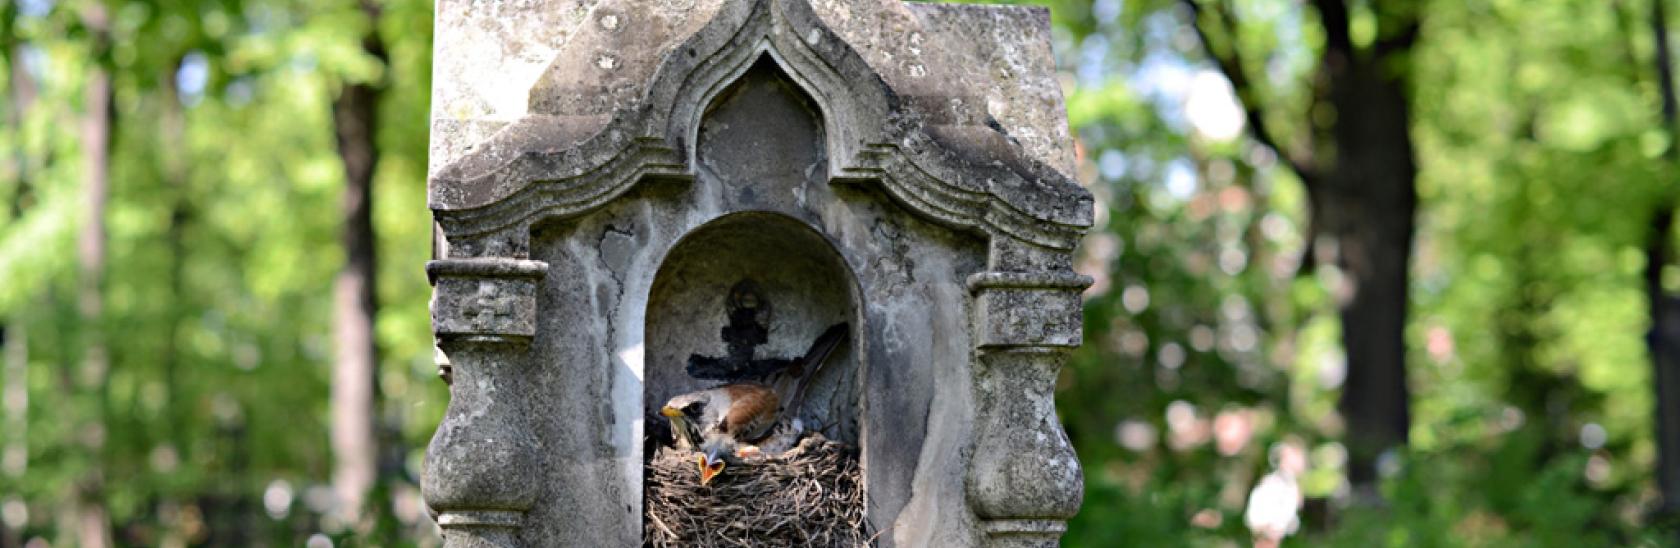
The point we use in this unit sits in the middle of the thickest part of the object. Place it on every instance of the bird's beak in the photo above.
(708, 469)
(671, 412)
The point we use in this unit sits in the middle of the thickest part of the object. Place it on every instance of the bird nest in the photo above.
(811, 495)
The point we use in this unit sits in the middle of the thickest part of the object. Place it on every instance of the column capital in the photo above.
(1028, 309)
(485, 300)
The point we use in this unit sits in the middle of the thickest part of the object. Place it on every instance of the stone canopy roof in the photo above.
(551, 108)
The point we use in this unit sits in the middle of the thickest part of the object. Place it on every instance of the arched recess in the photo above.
(801, 286)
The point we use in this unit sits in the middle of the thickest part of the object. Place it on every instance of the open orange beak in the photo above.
(708, 470)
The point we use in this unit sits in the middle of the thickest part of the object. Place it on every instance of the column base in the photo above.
(480, 528)
(1022, 533)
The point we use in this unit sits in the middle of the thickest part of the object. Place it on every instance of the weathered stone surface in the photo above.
(1028, 309)
(604, 171)
(499, 62)
(488, 297)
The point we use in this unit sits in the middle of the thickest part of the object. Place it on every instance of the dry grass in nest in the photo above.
(809, 496)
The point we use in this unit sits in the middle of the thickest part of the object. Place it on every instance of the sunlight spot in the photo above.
(1261, 157)
(14, 513)
(1207, 518)
(1164, 77)
(35, 8)
(1181, 179)
(1234, 308)
(1598, 470)
(1510, 418)
(1212, 107)
(1390, 463)
(1331, 455)
(632, 358)
(1186, 427)
(1232, 260)
(1332, 370)
(1112, 164)
(1135, 299)
(1201, 338)
(1134, 343)
(320, 499)
(1104, 11)
(1135, 435)
(35, 61)
(277, 499)
(1232, 430)
(1593, 436)
(1171, 355)
(165, 458)
(192, 77)
(1439, 344)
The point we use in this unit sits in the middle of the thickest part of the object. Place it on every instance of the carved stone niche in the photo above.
(799, 286)
(606, 175)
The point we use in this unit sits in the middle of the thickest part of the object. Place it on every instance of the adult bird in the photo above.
(718, 422)
(723, 422)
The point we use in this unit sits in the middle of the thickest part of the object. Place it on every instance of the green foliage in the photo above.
(1474, 497)
(1537, 137)
(223, 249)
(1537, 132)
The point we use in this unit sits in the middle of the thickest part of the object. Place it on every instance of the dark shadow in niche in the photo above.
(785, 284)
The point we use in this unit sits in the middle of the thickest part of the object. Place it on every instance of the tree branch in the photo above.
(1333, 16)
(1230, 64)
(1662, 221)
(1665, 79)
(1399, 41)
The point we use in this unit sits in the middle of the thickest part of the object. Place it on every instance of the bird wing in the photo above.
(748, 412)
(751, 413)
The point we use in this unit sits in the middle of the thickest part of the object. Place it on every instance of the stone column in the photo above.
(1024, 481)
(479, 476)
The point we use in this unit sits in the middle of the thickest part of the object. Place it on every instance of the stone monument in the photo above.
(604, 172)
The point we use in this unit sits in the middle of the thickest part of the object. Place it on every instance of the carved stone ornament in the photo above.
(605, 172)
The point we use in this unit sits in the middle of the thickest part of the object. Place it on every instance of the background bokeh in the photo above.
(170, 374)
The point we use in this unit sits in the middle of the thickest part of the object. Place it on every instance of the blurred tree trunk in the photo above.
(1664, 337)
(174, 154)
(1356, 159)
(93, 522)
(172, 127)
(1366, 204)
(14, 342)
(355, 378)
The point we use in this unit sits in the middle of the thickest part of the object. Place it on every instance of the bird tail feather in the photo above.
(813, 363)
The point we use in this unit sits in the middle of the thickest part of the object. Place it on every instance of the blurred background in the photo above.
(1369, 273)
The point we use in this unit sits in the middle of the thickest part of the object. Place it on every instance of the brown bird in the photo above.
(718, 421)
(722, 422)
